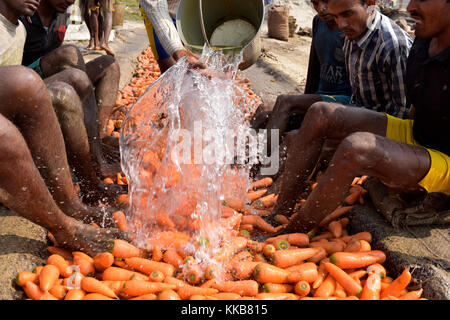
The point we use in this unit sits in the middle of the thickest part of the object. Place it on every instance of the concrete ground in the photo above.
(281, 69)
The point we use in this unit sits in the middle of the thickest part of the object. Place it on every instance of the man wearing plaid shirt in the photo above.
(376, 50)
(159, 17)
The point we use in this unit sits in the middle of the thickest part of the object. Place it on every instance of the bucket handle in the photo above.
(202, 23)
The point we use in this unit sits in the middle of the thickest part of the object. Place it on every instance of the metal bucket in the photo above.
(215, 12)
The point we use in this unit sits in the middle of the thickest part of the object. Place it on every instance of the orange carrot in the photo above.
(352, 198)
(268, 250)
(412, 295)
(48, 277)
(327, 288)
(339, 211)
(302, 288)
(252, 196)
(93, 285)
(234, 203)
(348, 260)
(339, 291)
(266, 201)
(321, 275)
(96, 296)
(306, 271)
(324, 235)
(243, 269)
(290, 257)
(262, 183)
(138, 288)
(168, 295)
(123, 249)
(156, 276)
(48, 296)
(265, 273)
(187, 291)
(75, 294)
(150, 296)
(330, 247)
(147, 266)
(377, 269)
(372, 288)
(321, 254)
(349, 284)
(115, 286)
(335, 228)
(277, 287)
(24, 276)
(258, 222)
(86, 266)
(395, 288)
(376, 253)
(171, 256)
(103, 260)
(62, 252)
(241, 287)
(120, 274)
(120, 220)
(58, 291)
(177, 282)
(360, 235)
(32, 290)
(193, 274)
(157, 254)
(354, 245)
(225, 296)
(277, 296)
(365, 246)
(281, 219)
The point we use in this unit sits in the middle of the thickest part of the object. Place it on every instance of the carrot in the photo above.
(48, 277)
(277, 296)
(281, 219)
(194, 274)
(198, 297)
(324, 235)
(321, 275)
(354, 245)
(339, 291)
(108, 180)
(210, 272)
(412, 295)
(103, 260)
(177, 282)
(330, 247)
(58, 291)
(227, 212)
(185, 292)
(123, 249)
(395, 288)
(321, 254)
(254, 246)
(349, 284)
(358, 274)
(225, 296)
(348, 260)
(120, 274)
(277, 287)
(335, 228)
(137, 287)
(123, 198)
(262, 183)
(377, 253)
(86, 266)
(156, 276)
(327, 287)
(339, 211)
(62, 252)
(352, 198)
(150, 296)
(32, 290)
(96, 296)
(243, 269)
(265, 273)
(241, 287)
(172, 257)
(47, 296)
(290, 257)
(268, 250)
(258, 222)
(372, 288)
(306, 271)
(157, 254)
(147, 266)
(93, 285)
(24, 276)
(302, 288)
(73, 282)
(360, 236)
(74, 294)
(377, 269)
(120, 220)
(234, 203)
(168, 294)
(115, 286)
(252, 196)
(266, 202)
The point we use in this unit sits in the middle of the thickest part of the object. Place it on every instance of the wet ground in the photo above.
(281, 69)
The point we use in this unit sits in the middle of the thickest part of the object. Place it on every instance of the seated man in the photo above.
(36, 178)
(73, 95)
(407, 154)
(327, 78)
(159, 17)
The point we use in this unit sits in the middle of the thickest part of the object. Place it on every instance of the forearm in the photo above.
(158, 13)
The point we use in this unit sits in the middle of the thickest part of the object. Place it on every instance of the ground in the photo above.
(281, 69)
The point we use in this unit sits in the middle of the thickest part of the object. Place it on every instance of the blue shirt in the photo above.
(327, 46)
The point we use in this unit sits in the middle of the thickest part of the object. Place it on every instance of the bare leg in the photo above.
(93, 21)
(361, 153)
(322, 121)
(107, 27)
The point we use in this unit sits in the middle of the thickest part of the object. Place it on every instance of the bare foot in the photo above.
(91, 240)
(102, 193)
(109, 169)
(108, 50)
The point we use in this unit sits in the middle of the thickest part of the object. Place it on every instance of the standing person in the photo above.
(36, 178)
(406, 154)
(101, 37)
(159, 18)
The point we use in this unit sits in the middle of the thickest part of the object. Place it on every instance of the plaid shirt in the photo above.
(376, 64)
(160, 13)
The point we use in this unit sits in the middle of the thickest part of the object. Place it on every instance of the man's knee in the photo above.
(358, 150)
(64, 98)
(78, 80)
(20, 80)
(66, 56)
(319, 117)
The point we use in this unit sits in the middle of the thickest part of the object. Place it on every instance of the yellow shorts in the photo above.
(104, 5)
(438, 177)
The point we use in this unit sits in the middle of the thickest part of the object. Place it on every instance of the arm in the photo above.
(313, 75)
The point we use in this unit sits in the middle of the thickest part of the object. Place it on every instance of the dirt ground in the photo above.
(281, 69)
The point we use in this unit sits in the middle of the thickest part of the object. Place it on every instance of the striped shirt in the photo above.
(376, 64)
(160, 13)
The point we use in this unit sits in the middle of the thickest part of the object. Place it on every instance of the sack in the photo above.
(278, 22)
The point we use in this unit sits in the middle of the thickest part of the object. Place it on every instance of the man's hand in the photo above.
(192, 58)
